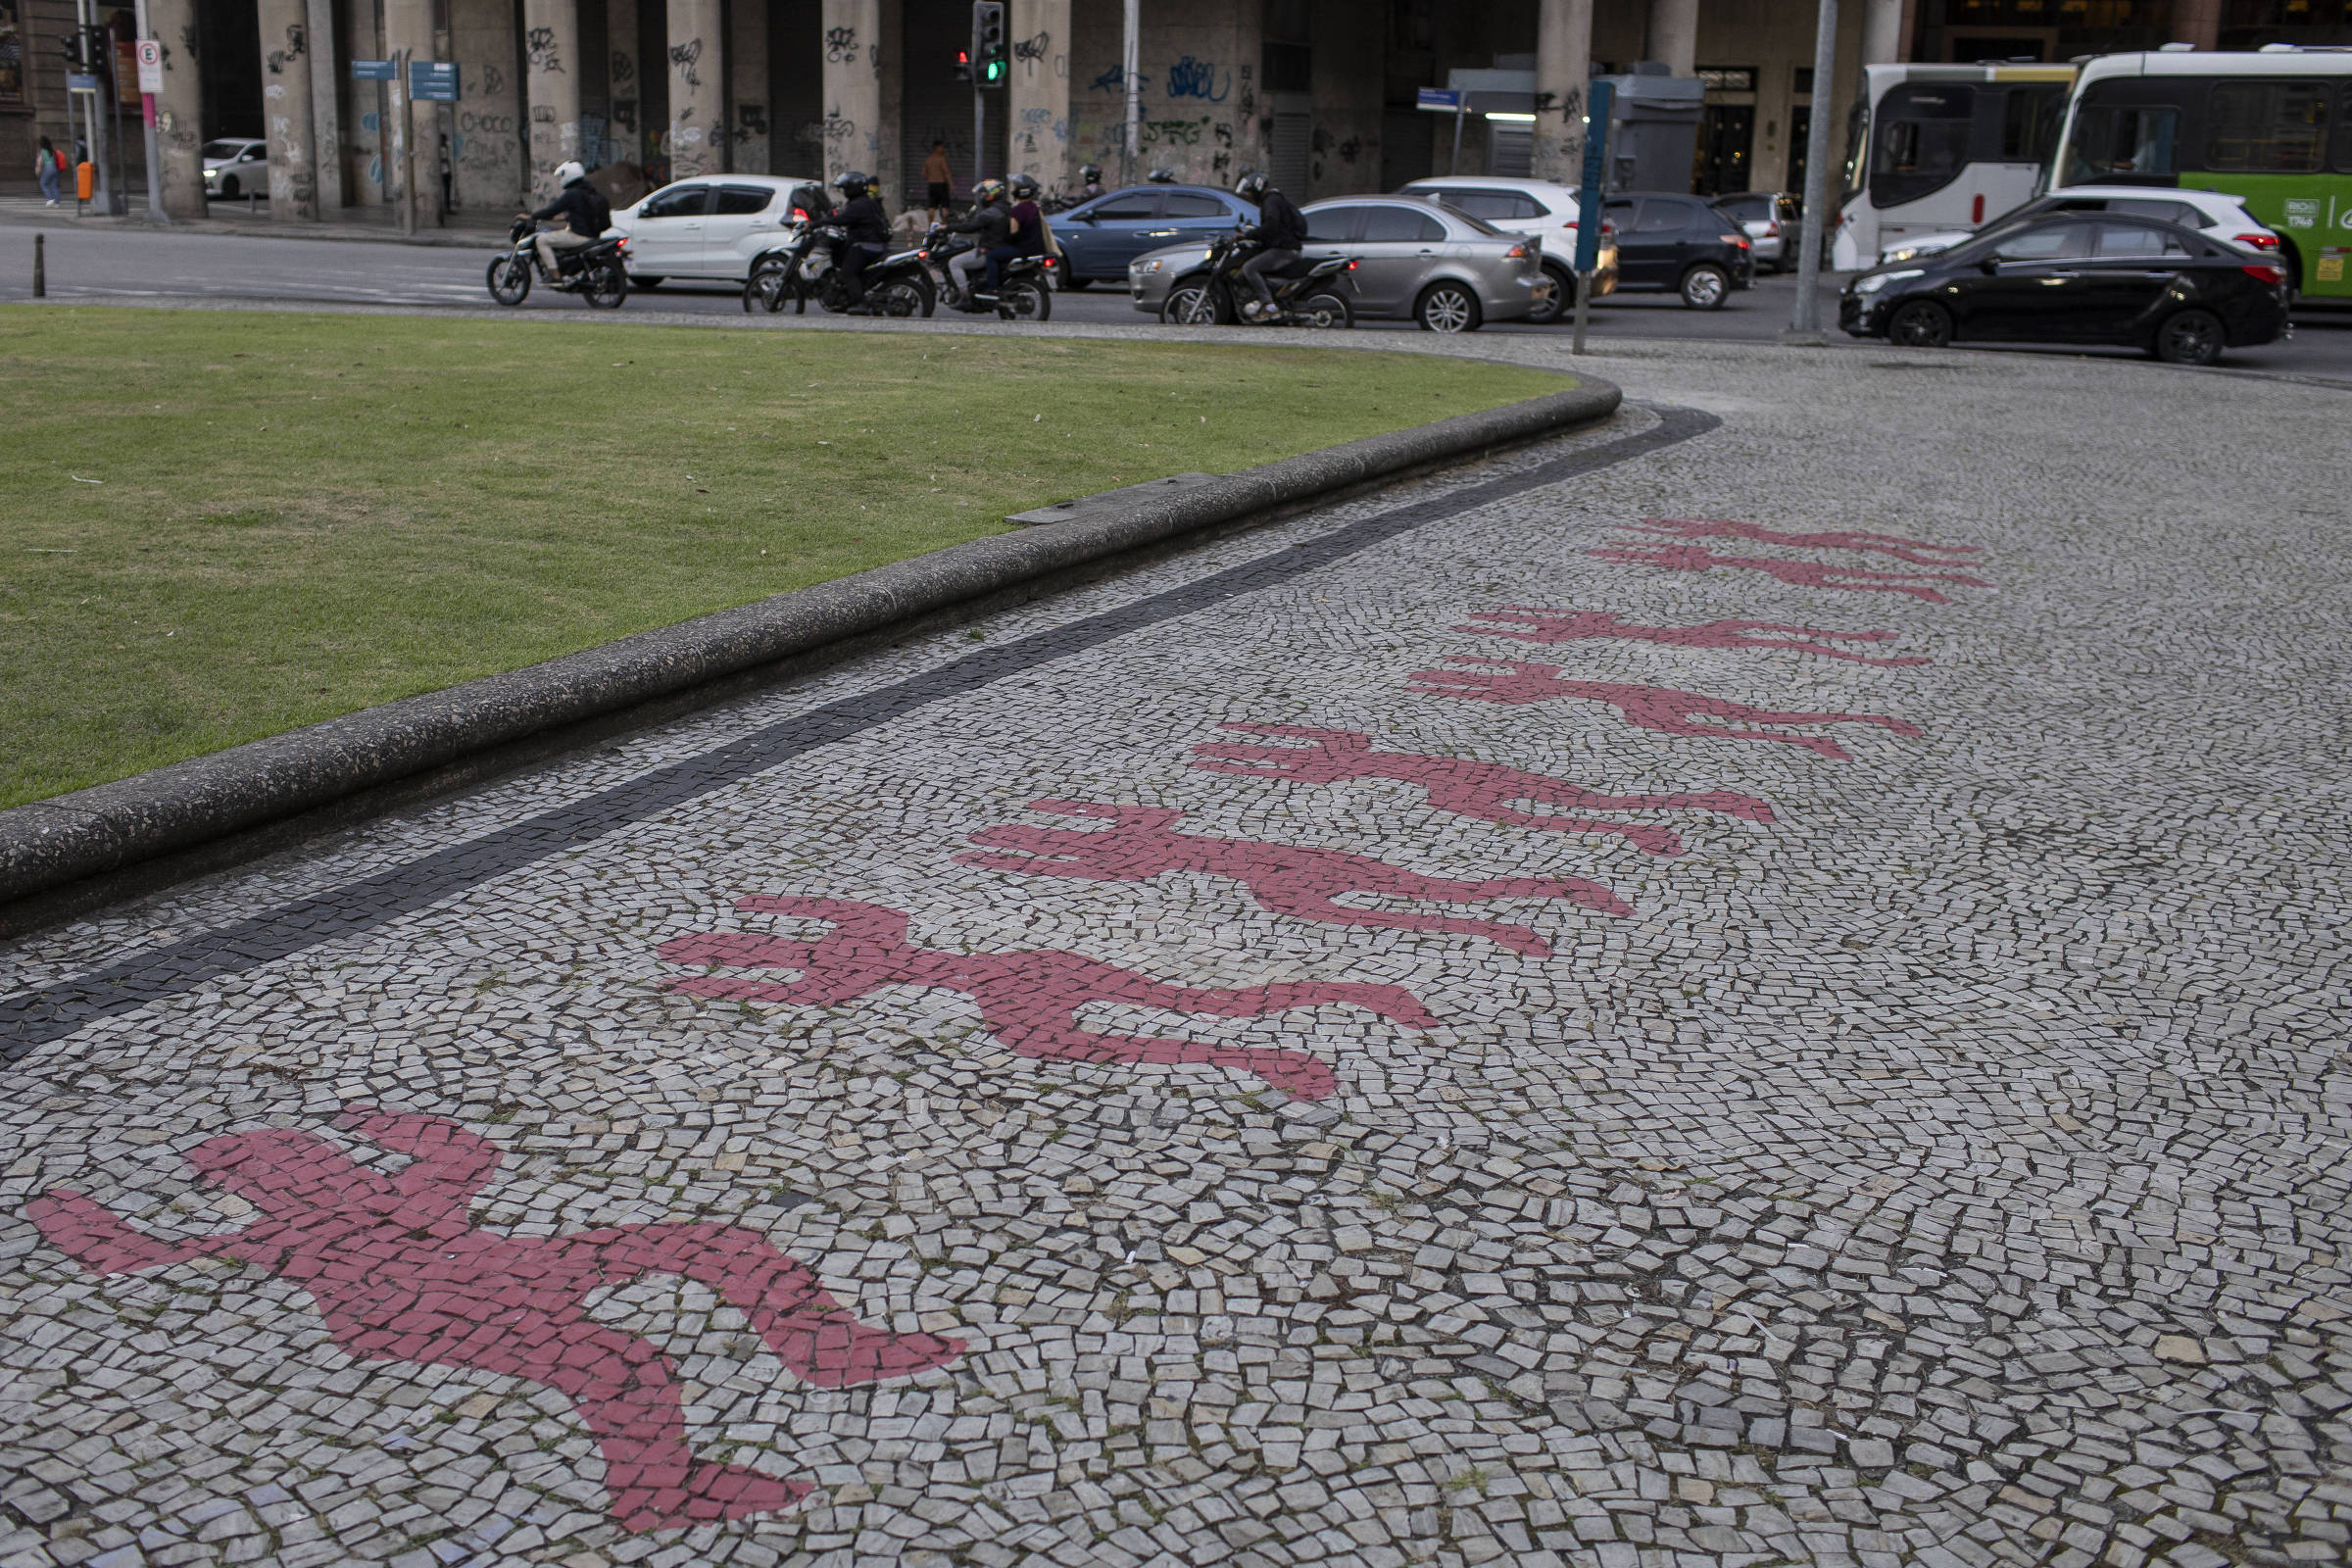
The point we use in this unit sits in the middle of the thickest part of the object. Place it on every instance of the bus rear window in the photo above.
(2117, 139)
(2275, 127)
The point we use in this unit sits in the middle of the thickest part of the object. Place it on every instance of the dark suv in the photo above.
(1683, 244)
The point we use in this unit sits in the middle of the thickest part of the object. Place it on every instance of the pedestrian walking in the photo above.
(938, 180)
(49, 168)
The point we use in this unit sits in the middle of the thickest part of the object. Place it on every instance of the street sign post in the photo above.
(1446, 101)
(1599, 98)
(433, 82)
(151, 66)
(371, 70)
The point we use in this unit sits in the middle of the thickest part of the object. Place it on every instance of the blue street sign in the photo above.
(1600, 96)
(1445, 98)
(433, 82)
(371, 70)
(78, 83)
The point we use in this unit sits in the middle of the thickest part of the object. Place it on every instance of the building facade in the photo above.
(1319, 93)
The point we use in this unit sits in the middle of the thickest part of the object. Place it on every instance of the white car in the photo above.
(712, 227)
(236, 167)
(1535, 207)
(2220, 215)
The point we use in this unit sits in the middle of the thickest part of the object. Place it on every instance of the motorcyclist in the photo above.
(866, 224)
(1090, 182)
(1280, 230)
(579, 207)
(1028, 230)
(989, 222)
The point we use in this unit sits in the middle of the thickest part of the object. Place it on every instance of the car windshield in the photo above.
(222, 149)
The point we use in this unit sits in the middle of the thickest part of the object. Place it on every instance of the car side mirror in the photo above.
(1989, 265)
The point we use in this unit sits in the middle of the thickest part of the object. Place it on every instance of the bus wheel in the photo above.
(2189, 337)
(1921, 325)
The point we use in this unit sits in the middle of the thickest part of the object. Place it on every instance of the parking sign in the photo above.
(151, 65)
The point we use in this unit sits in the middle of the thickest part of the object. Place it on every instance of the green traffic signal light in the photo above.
(992, 70)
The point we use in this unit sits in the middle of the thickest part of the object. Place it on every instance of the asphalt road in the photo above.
(131, 267)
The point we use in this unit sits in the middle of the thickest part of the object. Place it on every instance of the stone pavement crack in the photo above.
(49, 1014)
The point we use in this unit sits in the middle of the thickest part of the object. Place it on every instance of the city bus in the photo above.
(2272, 129)
(1930, 148)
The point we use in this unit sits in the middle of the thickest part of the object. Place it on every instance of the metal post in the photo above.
(154, 143)
(1804, 322)
(93, 118)
(1461, 110)
(1131, 69)
(1584, 306)
(40, 267)
(400, 142)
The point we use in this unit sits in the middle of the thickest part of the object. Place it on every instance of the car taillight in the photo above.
(1740, 240)
(1517, 253)
(1771, 231)
(799, 214)
(621, 244)
(1352, 263)
(2261, 242)
(2265, 273)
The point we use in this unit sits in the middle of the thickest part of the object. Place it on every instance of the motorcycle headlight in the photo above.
(1871, 282)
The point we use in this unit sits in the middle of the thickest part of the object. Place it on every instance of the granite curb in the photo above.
(107, 828)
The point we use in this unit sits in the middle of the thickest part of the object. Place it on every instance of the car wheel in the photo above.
(2190, 337)
(1192, 303)
(642, 282)
(1563, 297)
(1706, 286)
(1324, 311)
(509, 279)
(1446, 308)
(229, 190)
(1921, 325)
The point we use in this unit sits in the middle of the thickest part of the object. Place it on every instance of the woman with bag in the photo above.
(48, 166)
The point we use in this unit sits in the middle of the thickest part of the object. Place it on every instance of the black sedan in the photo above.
(2077, 279)
(1685, 244)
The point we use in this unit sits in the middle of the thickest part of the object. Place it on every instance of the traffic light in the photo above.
(988, 63)
(964, 65)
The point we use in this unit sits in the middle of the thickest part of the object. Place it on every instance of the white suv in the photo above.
(1535, 207)
(711, 227)
(2220, 215)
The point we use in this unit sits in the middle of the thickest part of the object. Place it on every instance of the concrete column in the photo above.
(2197, 22)
(327, 117)
(550, 89)
(1563, 71)
(179, 107)
(1881, 31)
(853, 41)
(621, 69)
(1674, 34)
(1039, 94)
(363, 130)
(408, 25)
(286, 109)
(490, 126)
(890, 89)
(746, 70)
(698, 67)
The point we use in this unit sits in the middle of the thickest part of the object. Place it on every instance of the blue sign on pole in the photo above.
(76, 81)
(371, 70)
(433, 82)
(1600, 96)
(1445, 98)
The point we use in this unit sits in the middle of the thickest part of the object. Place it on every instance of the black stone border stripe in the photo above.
(48, 1013)
(89, 833)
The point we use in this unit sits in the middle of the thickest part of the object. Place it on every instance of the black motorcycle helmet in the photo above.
(1090, 174)
(852, 183)
(1252, 186)
(1025, 188)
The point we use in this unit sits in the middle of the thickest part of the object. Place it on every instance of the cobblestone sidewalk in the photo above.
(1763, 984)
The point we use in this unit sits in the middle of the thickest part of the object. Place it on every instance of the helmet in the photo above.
(568, 170)
(1250, 186)
(1161, 176)
(987, 190)
(1025, 188)
(850, 182)
(1090, 174)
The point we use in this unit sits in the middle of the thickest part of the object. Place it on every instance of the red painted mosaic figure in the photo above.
(1531, 625)
(1801, 573)
(400, 1273)
(1920, 552)
(1143, 843)
(1463, 786)
(1030, 1000)
(1658, 708)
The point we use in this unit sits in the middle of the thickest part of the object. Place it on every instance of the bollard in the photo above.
(40, 267)
(252, 211)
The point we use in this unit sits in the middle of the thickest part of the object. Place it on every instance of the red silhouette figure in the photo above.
(1536, 626)
(1142, 843)
(1803, 573)
(401, 1274)
(1484, 790)
(1029, 999)
(1920, 552)
(1658, 708)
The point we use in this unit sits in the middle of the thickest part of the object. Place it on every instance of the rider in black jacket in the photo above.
(585, 212)
(862, 215)
(990, 223)
(1281, 228)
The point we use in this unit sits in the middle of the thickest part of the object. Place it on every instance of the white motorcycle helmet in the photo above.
(569, 170)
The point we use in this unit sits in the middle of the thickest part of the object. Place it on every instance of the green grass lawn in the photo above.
(215, 528)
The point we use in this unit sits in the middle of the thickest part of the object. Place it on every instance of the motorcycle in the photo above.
(1307, 293)
(803, 269)
(1024, 288)
(593, 271)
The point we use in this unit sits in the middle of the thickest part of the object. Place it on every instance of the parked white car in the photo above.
(2221, 216)
(1536, 207)
(712, 227)
(236, 167)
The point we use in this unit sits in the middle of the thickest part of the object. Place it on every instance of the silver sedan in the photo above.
(1414, 261)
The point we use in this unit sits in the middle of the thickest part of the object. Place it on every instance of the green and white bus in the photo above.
(2272, 129)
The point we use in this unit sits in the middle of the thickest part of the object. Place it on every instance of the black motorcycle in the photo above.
(593, 271)
(1024, 288)
(1307, 293)
(803, 269)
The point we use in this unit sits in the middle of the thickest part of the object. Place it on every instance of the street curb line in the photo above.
(108, 828)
